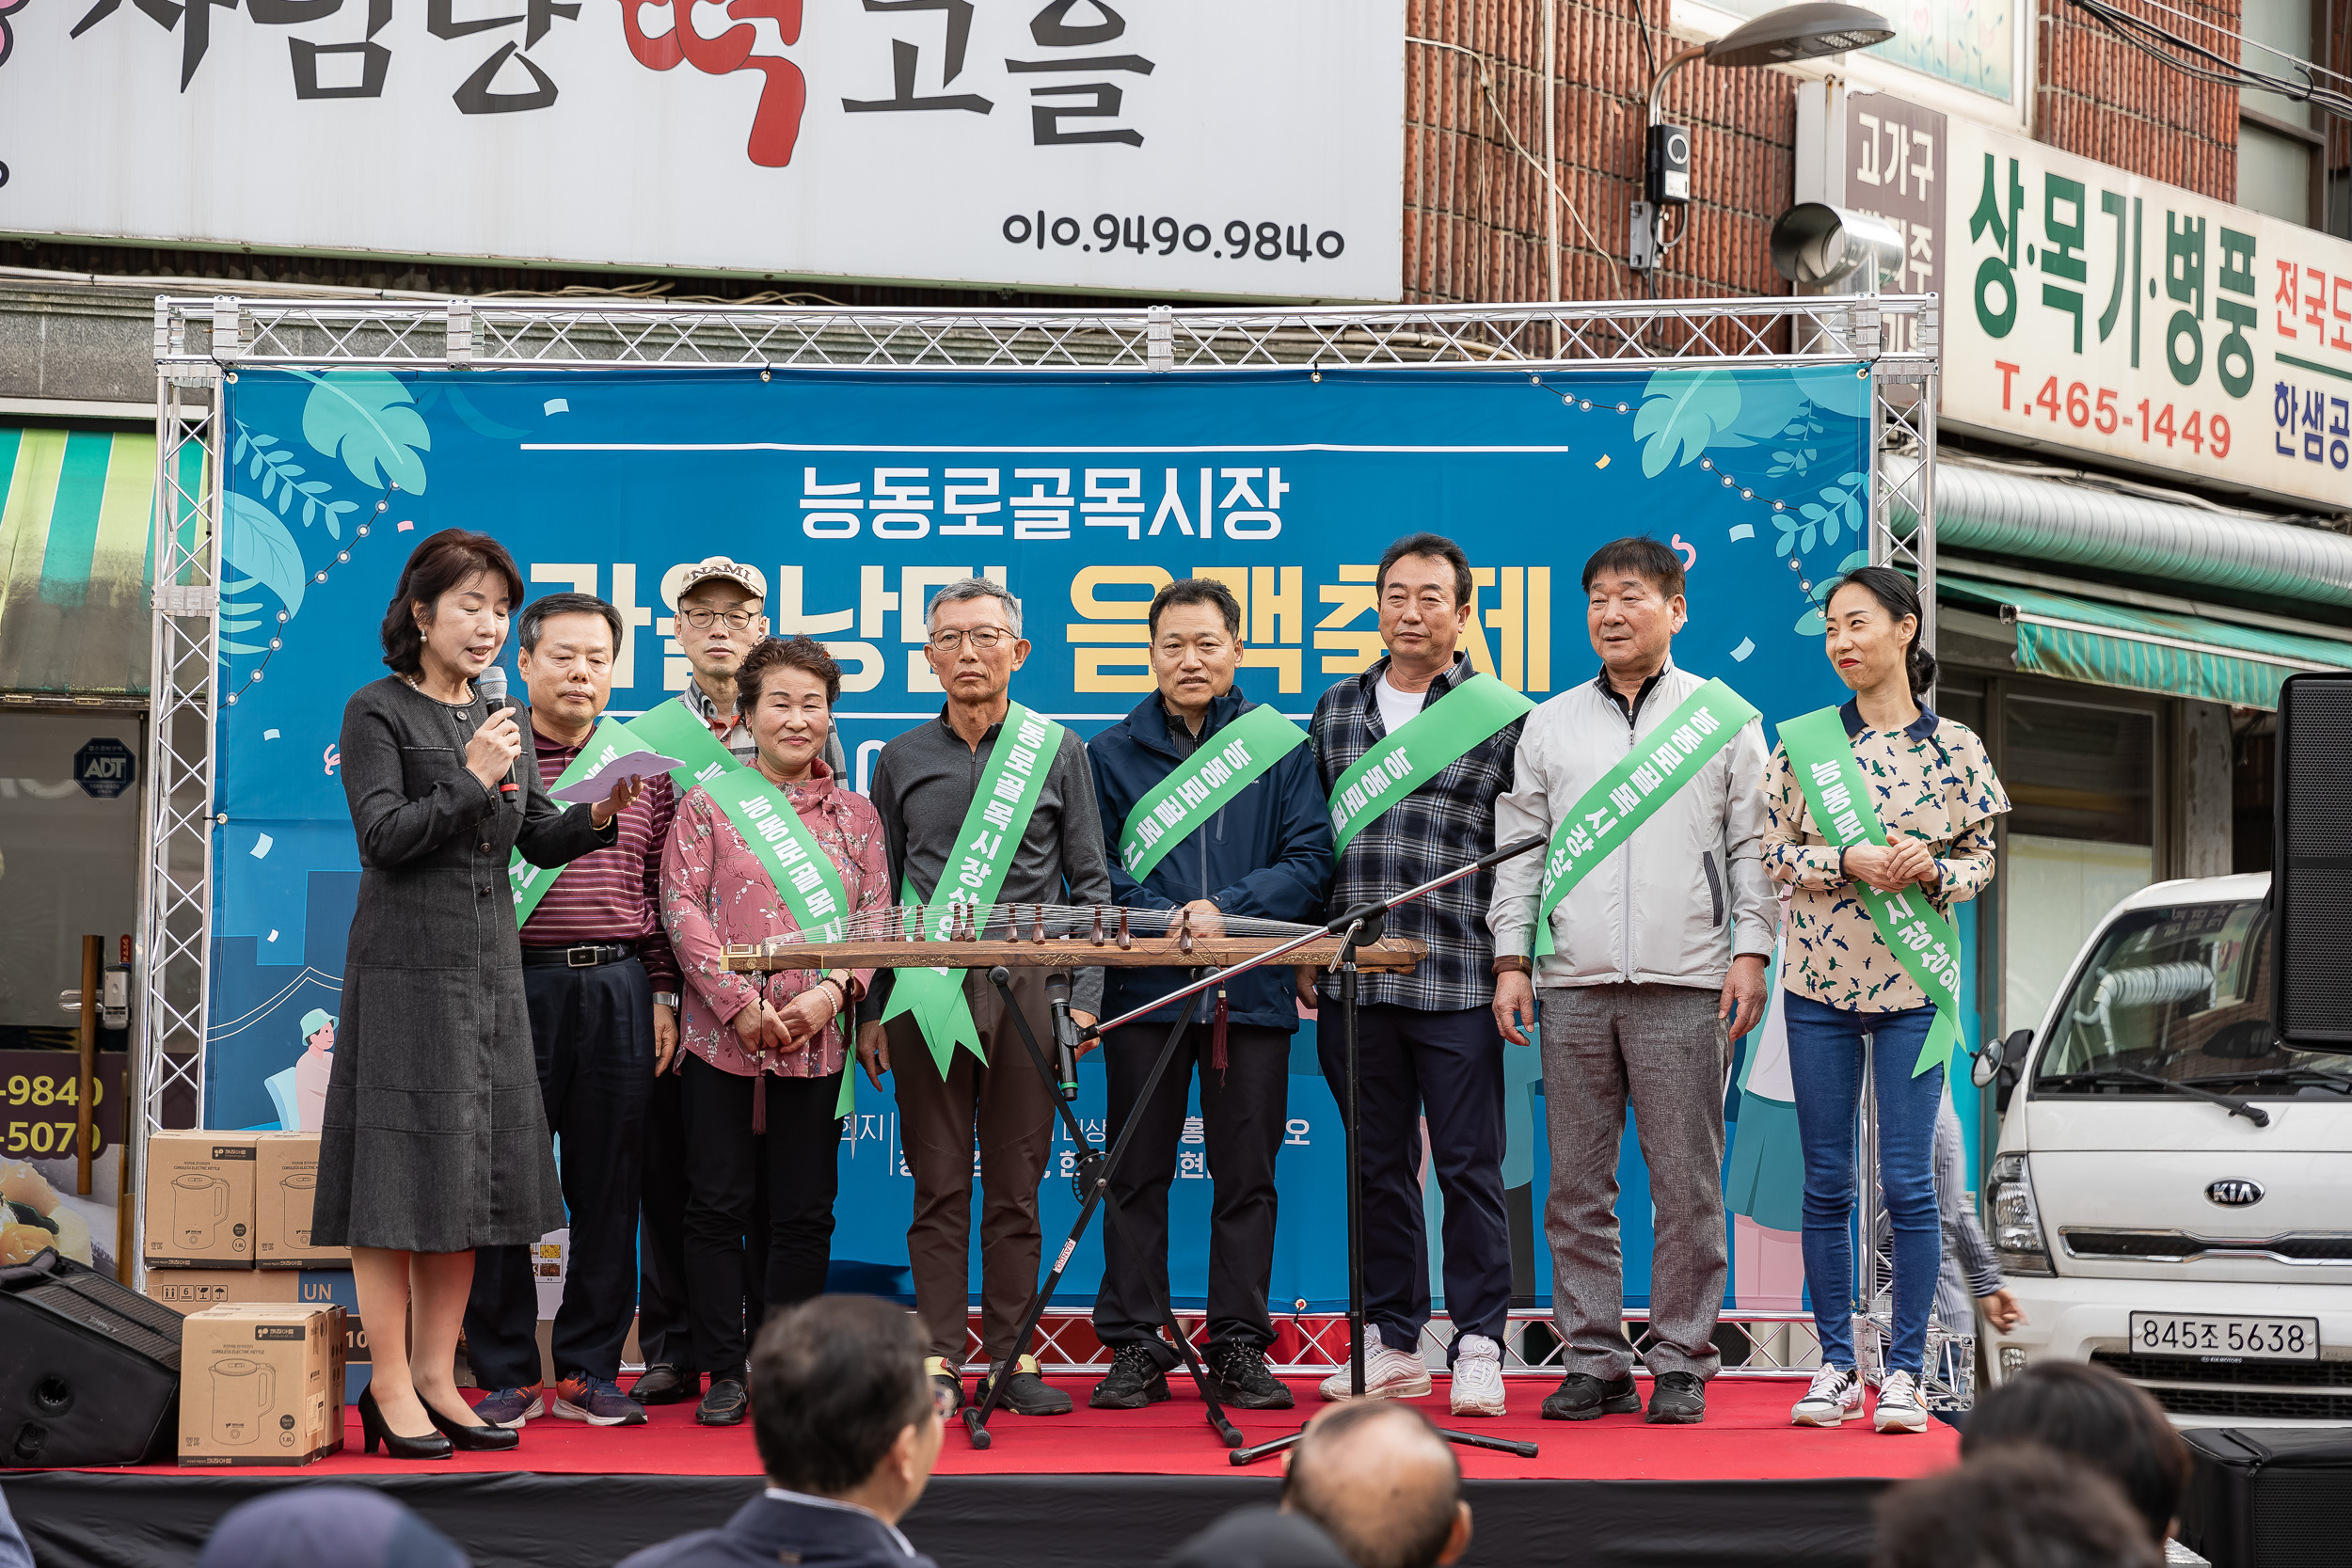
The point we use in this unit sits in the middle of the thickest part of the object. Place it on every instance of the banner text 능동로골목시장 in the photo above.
(856, 494)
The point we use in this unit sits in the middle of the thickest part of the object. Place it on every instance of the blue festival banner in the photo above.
(857, 494)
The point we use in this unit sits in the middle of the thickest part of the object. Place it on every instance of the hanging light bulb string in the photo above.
(342, 557)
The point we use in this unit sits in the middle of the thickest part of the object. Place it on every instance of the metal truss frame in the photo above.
(1781, 1344)
(203, 342)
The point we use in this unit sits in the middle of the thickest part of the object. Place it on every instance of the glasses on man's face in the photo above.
(984, 640)
(700, 620)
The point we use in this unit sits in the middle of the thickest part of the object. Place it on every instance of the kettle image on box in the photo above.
(295, 1194)
(242, 1393)
(197, 1204)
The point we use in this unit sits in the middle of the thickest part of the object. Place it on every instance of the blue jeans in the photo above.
(1825, 1062)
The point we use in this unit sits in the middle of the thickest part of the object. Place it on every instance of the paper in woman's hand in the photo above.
(598, 782)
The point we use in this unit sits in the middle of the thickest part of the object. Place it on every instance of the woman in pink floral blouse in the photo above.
(761, 1056)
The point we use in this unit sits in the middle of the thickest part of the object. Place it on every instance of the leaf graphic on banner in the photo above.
(368, 419)
(1769, 402)
(1682, 411)
(258, 543)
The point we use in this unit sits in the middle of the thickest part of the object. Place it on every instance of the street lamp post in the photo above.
(1792, 33)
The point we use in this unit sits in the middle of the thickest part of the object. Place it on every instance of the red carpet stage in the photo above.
(1091, 1488)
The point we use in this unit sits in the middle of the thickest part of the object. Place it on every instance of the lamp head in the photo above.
(1803, 32)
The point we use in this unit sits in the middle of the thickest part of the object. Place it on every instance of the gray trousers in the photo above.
(1662, 1047)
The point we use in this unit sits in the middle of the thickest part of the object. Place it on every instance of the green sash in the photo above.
(1915, 930)
(797, 868)
(1193, 793)
(675, 730)
(530, 884)
(1026, 747)
(1621, 799)
(1424, 748)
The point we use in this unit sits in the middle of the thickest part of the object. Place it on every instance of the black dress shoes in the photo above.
(665, 1384)
(725, 1404)
(375, 1431)
(474, 1437)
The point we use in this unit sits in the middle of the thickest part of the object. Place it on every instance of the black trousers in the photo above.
(666, 1334)
(593, 1030)
(1450, 1066)
(1242, 1111)
(798, 1158)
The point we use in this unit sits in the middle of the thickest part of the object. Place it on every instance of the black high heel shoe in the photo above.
(482, 1437)
(375, 1429)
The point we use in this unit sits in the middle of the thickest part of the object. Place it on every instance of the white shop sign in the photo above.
(2091, 309)
(1233, 147)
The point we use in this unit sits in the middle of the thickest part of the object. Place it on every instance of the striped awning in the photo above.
(2146, 650)
(76, 525)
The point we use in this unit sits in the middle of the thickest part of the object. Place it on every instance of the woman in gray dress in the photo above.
(435, 1141)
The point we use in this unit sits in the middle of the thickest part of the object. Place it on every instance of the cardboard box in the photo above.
(193, 1290)
(200, 1199)
(286, 1179)
(261, 1385)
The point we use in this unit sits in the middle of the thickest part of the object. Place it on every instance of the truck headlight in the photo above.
(2017, 1237)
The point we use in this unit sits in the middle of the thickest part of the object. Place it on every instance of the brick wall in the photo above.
(2099, 98)
(1475, 208)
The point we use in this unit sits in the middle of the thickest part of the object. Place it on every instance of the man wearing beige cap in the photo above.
(721, 618)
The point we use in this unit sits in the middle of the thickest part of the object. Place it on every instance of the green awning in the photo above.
(76, 556)
(2147, 650)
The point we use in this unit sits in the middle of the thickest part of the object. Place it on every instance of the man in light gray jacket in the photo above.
(1658, 963)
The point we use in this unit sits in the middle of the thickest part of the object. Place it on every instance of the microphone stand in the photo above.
(1364, 924)
(1361, 924)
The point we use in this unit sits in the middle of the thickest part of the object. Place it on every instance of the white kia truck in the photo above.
(2172, 1193)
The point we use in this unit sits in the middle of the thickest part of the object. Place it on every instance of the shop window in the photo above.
(2080, 835)
(69, 862)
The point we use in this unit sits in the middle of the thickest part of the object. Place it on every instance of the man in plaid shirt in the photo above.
(1426, 1040)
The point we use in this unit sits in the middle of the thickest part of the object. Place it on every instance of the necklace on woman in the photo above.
(416, 686)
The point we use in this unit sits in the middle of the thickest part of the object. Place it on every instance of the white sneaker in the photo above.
(1835, 1394)
(1390, 1373)
(1477, 1376)
(1898, 1408)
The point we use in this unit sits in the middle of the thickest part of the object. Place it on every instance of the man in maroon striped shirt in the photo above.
(602, 988)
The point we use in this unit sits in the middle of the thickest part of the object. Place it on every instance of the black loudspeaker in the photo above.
(90, 1372)
(2310, 880)
(2269, 1497)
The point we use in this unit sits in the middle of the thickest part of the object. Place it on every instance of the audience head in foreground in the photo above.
(327, 1527)
(1382, 1484)
(1260, 1538)
(2094, 1416)
(2014, 1506)
(847, 1429)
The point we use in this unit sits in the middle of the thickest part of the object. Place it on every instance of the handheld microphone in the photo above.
(491, 683)
(1065, 1034)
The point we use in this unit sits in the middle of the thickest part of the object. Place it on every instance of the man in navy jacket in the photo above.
(1210, 803)
(848, 1426)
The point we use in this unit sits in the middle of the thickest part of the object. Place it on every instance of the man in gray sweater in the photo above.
(991, 806)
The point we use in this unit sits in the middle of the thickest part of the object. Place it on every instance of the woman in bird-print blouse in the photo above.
(1936, 795)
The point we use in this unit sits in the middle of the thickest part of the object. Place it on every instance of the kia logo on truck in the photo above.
(2234, 1194)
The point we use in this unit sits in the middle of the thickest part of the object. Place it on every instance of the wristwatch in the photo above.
(665, 999)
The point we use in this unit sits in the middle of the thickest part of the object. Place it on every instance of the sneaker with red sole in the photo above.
(597, 1401)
